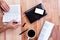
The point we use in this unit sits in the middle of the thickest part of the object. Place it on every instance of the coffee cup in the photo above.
(31, 34)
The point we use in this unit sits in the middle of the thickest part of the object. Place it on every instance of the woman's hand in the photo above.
(13, 24)
(4, 6)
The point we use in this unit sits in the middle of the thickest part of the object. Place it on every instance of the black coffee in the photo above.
(31, 33)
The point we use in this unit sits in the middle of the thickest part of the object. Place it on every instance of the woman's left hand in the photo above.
(4, 6)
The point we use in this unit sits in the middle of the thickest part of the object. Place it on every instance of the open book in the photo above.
(13, 14)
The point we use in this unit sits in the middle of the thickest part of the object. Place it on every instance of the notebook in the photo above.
(46, 31)
(13, 14)
(32, 16)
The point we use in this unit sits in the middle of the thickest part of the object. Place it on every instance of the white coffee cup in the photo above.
(31, 33)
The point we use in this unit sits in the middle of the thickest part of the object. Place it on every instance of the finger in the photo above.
(17, 24)
(1, 11)
(4, 6)
(14, 22)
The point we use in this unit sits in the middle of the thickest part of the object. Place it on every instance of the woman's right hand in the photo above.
(13, 24)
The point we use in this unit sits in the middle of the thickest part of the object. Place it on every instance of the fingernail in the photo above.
(15, 22)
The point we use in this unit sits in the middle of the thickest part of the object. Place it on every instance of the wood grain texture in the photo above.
(51, 7)
(53, 12)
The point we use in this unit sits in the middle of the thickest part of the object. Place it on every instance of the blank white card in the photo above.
(13, 14)
(39, 11)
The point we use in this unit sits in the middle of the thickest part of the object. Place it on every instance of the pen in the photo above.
(23, 32)
(23, 25)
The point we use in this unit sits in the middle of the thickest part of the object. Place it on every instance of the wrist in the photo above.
(6, 26)
(3, 27)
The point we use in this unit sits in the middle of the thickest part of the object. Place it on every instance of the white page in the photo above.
(46, 31)
(13, 14)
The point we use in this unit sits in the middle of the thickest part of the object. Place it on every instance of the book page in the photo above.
(13, 14)
(46, 31)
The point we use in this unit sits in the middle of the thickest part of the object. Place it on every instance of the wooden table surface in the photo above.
(53, 9)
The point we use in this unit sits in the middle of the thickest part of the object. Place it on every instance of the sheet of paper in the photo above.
(13, 14)
(46, 31)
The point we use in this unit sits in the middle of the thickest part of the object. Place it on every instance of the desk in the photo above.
(51, 7)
